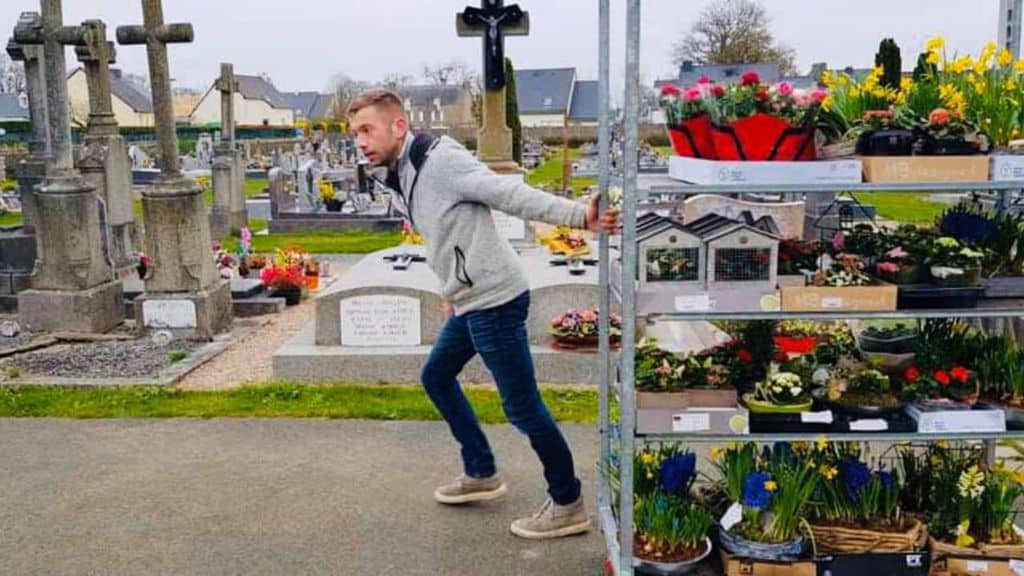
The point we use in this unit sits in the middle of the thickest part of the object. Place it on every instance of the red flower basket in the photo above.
(692, 138)
(799, 345)
(764, 137)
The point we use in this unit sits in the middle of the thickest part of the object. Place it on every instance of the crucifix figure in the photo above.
(493, 20)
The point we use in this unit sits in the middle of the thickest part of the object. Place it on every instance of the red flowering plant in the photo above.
(283, 277)
(751, 96)
(941, 383)
(681, 104)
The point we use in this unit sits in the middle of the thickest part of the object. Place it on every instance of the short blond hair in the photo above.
(377, 98)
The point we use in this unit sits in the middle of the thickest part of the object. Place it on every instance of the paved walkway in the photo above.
(267, 497)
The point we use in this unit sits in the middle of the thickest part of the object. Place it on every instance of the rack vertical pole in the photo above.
(604, 329)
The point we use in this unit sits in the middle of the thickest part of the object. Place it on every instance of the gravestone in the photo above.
(281, 184)
(72, 285)
(228, 211)
(377, 324)
(204, 150)
(788, 216)
(184, 292)
(103, 160)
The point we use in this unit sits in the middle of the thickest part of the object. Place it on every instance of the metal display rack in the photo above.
(618, 532)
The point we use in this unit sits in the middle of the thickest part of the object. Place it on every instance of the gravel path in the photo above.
(248, 360)
(130, 359)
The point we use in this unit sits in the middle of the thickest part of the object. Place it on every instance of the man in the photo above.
(447, 195)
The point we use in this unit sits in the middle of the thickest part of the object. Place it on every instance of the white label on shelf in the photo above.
(692, 422)
(832, 302)
(823, 417)
(869, 425)
(695, 303)
(732, 516)
(977, 566)
(1017, 567)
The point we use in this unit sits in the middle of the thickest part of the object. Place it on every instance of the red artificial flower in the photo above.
(941, 377)
(960, 374)
(669, 90)
(704, 79)
(717, 91)
(762, 94)
(911, 374)
(751, 79)
(745, 356)
(939, 117)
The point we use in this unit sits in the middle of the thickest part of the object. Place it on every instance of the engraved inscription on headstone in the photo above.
(380, 320)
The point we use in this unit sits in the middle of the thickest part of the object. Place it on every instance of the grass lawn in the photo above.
(10, 219)
(549, 173)
(322, 242)
(255, 187)
(904, 207)
(273, 400)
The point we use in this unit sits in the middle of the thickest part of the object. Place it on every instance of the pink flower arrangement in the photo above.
(784, 88)
(888, 267)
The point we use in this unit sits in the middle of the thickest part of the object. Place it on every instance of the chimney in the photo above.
(686, 67)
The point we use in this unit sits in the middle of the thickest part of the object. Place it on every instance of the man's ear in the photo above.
(401, 127)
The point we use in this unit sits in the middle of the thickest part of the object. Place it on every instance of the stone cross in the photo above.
(493, 21)
(96, 55)
(227, 85)
(31, 56)
(156, 36)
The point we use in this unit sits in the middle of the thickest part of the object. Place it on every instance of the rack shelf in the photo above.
(663, 185)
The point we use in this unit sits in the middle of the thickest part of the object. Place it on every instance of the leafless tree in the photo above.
(734, 32)
(396, 81)
(454, 73)
(344, 89)
(12, 75)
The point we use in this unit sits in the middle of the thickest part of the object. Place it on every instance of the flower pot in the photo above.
(673, 568)
(761, 407)
(952, 147)
(970, 277)
(142, 269)
(692, 138)
(799, 345)
(333, 205)
(313, 281)
(832, 539)
(886, 142)
(740, 546)
(907, 275)
(292, 296)
(904, 344)
(764, 137)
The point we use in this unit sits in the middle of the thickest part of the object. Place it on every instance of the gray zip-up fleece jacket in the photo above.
(450, 206)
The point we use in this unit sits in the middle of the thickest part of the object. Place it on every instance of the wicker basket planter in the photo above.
(843, 540)
(940, 549)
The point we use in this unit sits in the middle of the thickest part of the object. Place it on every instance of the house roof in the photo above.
(136, 99)
(10, 108)
(712, 225)
(260, 88)
(321, 108)
(651, 224)
(689, 73)
(584, 101)
(424, 95)
(544, 91)
(301, 102)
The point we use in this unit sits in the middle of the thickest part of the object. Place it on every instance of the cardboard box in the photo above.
(1007, 167)
(979, 419)
(881, 298)
(687, 399)
(895, 564)
(736, 566)
(976, 566)
(697, 171)
(694, 421)
(889, 169)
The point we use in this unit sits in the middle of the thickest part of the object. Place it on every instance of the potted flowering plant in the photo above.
(328, 198)
(898, 339)
(774, 492)
(947, 133)
(941, 386)
(758, 122)
(861, 391)
(795, 337)
(668, 380)
(898, 266)
(780, 393)
(579, 328)
(857, 509)
(285, 280)
(953, 264)
(688, 119)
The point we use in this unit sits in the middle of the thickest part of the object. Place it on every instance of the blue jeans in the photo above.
(499, 336)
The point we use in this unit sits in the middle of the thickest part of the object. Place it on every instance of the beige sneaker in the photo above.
(553, 521)
(465, 490)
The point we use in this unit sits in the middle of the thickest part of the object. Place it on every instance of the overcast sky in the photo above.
(301, 43)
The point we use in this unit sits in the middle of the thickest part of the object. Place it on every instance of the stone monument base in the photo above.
(96, 310)
(201, 314)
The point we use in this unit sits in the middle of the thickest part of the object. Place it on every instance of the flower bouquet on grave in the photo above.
(780, 393)
(857, 509)
(953, 264)
(770, 496)
(688, 118)
(328, 198)
(580, 329)
(757, 122)
(566, 242)
(668, 380)
(409, 236)
(970, 507)
(142, 262)
(285, 280)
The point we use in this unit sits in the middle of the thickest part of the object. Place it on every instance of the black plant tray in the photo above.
(1004, 287)
(895, 423)
(903, 564)
(1014, 418)
(919, 296)
(761, 423)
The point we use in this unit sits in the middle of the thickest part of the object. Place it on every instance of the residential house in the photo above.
(257, 103)
(132, 106)
(544, 96)
(438, 107)
(311, 106)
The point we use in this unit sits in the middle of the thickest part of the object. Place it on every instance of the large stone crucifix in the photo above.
(32, 171)
(493, 21)
(228, 169)
(183, 293)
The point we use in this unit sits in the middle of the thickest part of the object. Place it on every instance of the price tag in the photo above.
(823, 417)
(733, 516)
(869, 425)
(1017, 567)
(832, 302)
(692, 422)
(694, 303)
(977, 566)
